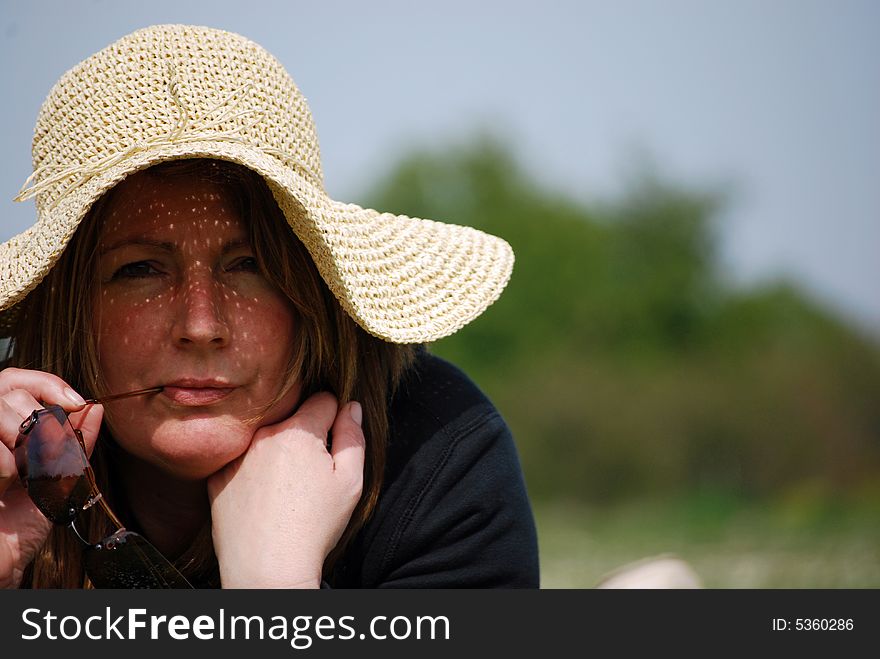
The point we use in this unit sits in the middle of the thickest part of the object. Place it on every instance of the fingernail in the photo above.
(357, 414)
(74, 397)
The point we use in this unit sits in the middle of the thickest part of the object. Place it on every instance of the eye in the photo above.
(136, 270)
(244, 264)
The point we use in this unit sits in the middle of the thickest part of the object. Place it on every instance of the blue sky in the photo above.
(779, 100)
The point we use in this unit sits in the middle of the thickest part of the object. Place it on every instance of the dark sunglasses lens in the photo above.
(127, 560)
(52, 466)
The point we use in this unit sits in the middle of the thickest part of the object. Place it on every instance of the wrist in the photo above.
(306, 584)
(271, 579)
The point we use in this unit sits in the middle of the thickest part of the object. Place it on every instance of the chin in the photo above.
(195, 449)
(195, 470)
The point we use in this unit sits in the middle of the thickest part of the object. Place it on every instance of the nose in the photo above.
(200, 319)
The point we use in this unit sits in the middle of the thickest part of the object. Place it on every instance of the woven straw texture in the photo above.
(176, 91)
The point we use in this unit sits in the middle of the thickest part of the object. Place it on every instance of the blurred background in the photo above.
(688, 352)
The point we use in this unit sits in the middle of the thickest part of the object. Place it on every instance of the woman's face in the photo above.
(181, 303)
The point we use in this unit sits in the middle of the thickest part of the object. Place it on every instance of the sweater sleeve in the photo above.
(454, 512)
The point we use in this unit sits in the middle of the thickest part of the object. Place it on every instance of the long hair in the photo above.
(55, 333)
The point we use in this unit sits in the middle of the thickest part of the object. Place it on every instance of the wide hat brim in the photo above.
(402, 279)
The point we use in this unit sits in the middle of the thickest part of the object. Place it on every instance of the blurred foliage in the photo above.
(791, 542)
(622, 361)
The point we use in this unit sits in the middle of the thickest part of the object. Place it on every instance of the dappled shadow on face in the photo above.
(181, 302)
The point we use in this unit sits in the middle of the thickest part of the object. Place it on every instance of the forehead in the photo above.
(182, 205)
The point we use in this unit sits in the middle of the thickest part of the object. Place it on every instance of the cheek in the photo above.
(128, 335)
(268, 335)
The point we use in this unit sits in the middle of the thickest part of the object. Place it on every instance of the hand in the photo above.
(23, 528)
(279, 509)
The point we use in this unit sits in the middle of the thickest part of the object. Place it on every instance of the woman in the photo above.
(294, 432)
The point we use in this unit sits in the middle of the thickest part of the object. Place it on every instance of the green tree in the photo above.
(623, 364)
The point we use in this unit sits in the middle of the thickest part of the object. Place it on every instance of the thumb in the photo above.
(88, 421)
(349, 444)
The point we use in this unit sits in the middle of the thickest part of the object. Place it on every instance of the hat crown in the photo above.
(177, 91)
(170, 84)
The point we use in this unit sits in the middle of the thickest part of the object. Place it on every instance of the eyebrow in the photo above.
(165, 246)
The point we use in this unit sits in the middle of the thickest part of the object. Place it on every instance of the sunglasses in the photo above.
(51, 459)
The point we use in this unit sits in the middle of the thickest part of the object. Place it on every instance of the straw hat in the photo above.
(177, 91)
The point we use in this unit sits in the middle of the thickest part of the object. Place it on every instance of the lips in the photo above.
(196, 392)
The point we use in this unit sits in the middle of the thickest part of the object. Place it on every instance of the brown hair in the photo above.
(332, 353)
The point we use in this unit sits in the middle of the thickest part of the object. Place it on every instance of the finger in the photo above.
(14, 408)
(8, 471)
(45, 387)
(349, 444)
(315, 416)
(22, 402)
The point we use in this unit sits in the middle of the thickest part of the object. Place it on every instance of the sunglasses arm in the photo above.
(96, 496)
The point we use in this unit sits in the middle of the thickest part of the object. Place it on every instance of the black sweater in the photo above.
(453, 511)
